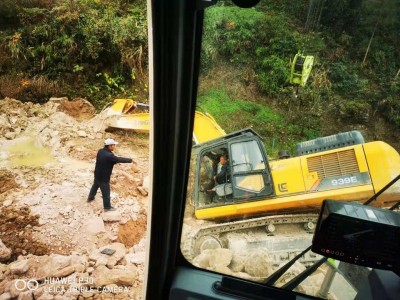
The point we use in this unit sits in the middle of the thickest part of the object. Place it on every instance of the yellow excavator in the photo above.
(131, 115)
(341, 167)
(273, 203)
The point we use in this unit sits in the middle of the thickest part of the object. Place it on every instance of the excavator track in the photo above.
(284, 236)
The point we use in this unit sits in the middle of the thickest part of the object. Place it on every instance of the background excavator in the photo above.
(132, 115)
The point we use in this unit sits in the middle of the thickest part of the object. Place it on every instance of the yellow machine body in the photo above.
(353, 173)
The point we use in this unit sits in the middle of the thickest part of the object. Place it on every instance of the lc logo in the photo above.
(282, 187)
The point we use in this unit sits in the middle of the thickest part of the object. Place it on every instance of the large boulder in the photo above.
(57, 265)
(20, 267)
(124, 276)
(258, 263)
(5, 253)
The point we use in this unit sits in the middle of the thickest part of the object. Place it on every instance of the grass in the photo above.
(235, 114)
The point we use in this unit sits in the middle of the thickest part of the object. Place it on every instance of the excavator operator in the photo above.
(222, 170)
(222, 173)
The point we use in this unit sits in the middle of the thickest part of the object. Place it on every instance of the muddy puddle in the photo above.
(26, 151)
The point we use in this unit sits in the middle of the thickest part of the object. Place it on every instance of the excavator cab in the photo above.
(301, 69)
(248, 177)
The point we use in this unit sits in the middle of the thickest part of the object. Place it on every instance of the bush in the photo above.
(273, 75)
(37, 90)
(76, 40)
(264, 41)
(389, 107)
(356, 111)
(233, 33)
(346, 80)
(9, 10)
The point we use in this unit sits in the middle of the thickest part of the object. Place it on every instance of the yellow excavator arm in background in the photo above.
(132, 115)
(205, 128)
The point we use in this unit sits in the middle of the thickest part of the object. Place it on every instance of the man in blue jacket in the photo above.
(105, 162)
(222, 170)
(222, 173)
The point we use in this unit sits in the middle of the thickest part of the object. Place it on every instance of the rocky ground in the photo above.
(47, 230)
(55, 245)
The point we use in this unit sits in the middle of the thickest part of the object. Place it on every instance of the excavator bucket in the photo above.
(132, 115)
(301, 69)
(128, 114)
(120, 106)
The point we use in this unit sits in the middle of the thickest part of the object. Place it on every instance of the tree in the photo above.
(342, 15)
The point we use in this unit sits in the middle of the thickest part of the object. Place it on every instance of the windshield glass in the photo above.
(307, 95)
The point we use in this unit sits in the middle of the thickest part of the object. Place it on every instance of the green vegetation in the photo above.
(236, 114)
(97, 49)
(87, 48)
(260, 40)
(355, 80)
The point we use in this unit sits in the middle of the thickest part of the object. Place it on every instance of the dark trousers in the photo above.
(105, 192)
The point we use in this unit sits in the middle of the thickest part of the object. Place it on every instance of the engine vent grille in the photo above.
(335, 164)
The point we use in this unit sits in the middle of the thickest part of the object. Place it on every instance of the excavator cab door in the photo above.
(250, 173)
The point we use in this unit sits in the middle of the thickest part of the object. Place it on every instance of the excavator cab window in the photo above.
(250, 174)
(247, 176)
(211, 191)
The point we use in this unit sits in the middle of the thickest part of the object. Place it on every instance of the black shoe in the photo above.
(109, 208)
(90, 199)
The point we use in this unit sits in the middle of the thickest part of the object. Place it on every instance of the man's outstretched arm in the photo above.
(123, 159)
